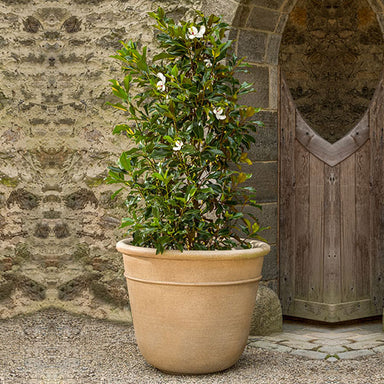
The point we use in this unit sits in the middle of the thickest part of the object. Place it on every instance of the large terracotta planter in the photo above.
(192, 310)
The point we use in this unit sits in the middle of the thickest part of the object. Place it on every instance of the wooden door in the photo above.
(331, 216)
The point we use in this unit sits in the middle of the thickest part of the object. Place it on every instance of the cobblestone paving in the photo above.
(321, 342)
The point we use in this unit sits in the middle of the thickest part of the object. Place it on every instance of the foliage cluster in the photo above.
(190, 136)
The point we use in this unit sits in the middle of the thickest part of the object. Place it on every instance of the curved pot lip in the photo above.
(259, 249)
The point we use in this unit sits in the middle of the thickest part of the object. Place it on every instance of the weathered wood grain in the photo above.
(302, 220)
(363, 264)
(331, 217)
(332, 313)
(377, 200)
(332, 265)
(287, 122)
(316, 222)
(348, 228)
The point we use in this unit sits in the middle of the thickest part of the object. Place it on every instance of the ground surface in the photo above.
(53, 347)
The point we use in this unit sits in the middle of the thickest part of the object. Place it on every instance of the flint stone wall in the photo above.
(58, 226)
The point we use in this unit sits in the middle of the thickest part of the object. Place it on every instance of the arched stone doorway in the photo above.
(259, 27)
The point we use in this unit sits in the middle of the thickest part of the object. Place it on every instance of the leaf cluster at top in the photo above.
(190, 135)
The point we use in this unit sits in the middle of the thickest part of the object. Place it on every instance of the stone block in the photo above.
(232, 35)
(273, 47)
(281, 23)
(252, 44)
(264, 180)
(271, 284)
(267, 217)
(288, 6)
(259, 76)
(241, 16)
(265, 148)
(267, 316)
(273, 87)
(270, 266)
(227, 9)
(273, 4)
(263, 19)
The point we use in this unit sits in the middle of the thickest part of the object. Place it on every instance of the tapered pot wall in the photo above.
(192, 310)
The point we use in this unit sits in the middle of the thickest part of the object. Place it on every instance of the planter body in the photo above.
(192, 310)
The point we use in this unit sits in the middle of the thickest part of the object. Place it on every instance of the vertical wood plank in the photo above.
(287, 123)
(348, 228)
(302, 177)
(316, 222)
(332, 272)
(363, 267)
(377, 200)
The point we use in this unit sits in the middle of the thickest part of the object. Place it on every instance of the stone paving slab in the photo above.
(330, 343)
(364, 345)
(370, 337)
(332, 349)
(355, 354)
(270, 346)
(297, 344)
(313, 355)
(378, 349)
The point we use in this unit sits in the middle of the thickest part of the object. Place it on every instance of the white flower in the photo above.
(193, 33)
(161, 84)
(208, 63)
(219, 113)
(178, 145)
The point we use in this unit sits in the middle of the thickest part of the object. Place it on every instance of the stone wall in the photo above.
(58, 225)
(257, 28)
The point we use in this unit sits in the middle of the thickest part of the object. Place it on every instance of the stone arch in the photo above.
(257, 28)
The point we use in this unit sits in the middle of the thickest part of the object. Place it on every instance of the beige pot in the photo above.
(192, 310)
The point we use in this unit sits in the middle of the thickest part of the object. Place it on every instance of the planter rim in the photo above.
(259, 249)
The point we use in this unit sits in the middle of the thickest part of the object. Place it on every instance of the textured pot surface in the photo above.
(192, 310)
